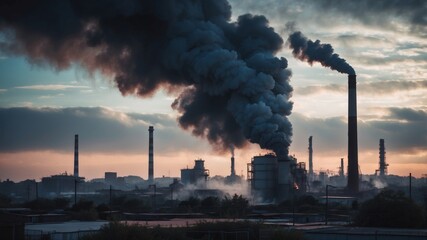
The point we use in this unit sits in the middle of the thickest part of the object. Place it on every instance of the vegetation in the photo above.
(287, 234)
(230, 207)
(218, 230)
(210, 204)
(235, 207)
(303, 204)
(390, 209)
(84, 210)
(225, 230)
(129, 204)
(122, 231)
(5, 201)
(190, 205)
(45, 204)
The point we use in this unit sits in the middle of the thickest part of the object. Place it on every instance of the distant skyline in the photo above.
(41, 107)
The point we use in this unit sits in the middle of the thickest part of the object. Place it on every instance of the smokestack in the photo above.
(342, 168)
(353, 164)
(150, 156)
(233, 171)
(383, 165)
(76, 155)
(310, 157)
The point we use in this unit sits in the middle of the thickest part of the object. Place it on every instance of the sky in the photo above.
(47, 96)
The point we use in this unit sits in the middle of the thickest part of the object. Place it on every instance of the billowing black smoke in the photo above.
(235, 89)
(307, 50)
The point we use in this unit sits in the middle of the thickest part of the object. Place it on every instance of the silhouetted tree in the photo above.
(129, 204)
(191, 204)
(84, 210)
(307, 203)
(5, 201)
(236, 206)
(134, 205)
(390, 209)
(210, 203)
(307, 200)
(83, 205)
(46, 204)
(61, 203)
(102, 208)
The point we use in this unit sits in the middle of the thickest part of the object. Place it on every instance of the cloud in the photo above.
(381, 12)
(49, 87)
(2, 90)
(409, 115)
(375, 13)
(382, 87)
(403, 129)
(399, 57)
(378, 37)
(101, 130)
(350, 39)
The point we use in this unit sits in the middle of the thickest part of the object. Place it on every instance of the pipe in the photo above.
(353, 164)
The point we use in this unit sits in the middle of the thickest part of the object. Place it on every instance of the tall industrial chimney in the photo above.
(76, 155)
(310, 158)
(383, 164)
(150, 156)
(233, 171)
(353, 163)
(342, 168)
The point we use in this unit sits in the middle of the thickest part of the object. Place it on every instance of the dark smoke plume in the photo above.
(235, 89)
(307, 50)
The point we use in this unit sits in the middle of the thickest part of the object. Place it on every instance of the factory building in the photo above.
(196, 174)
(272, 179)
(110, 177)
(61, 183)
(299, 173)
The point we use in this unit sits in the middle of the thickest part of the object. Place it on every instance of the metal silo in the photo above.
(263, 176)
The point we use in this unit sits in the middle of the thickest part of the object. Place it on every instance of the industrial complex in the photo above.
(272, 186)
(270, 179)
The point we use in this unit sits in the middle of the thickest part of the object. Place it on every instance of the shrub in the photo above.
(390, 209)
